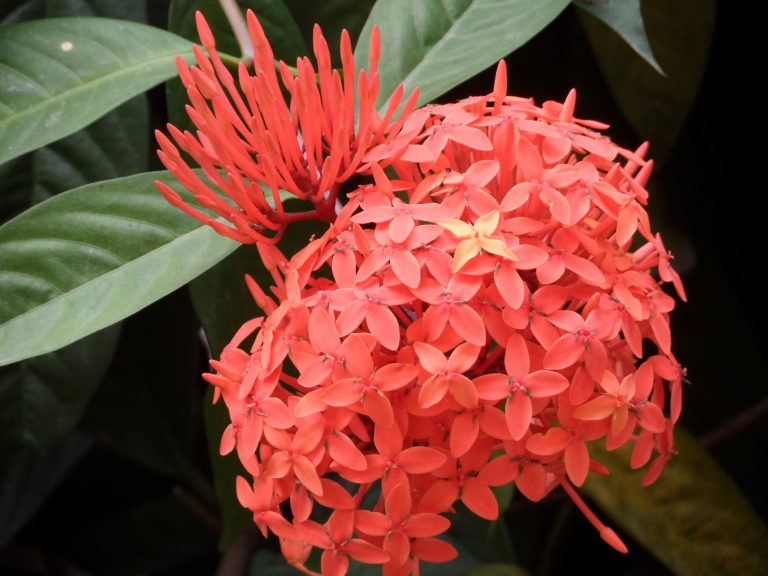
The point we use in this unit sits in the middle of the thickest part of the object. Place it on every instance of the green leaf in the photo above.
(89, 257)
(61, 74)
(624, 17)
(437, 44)
(115, 145)
(149, 407)
(488, 541)
(694, 518)
(29, 476)
(657, 106)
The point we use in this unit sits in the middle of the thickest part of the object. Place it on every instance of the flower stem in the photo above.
(237, 22)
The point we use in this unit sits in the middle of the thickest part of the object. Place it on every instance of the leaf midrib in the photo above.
(42, 104)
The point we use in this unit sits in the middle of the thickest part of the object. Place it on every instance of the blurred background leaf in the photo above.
(624, 17)
(657, 106)
(694, 518)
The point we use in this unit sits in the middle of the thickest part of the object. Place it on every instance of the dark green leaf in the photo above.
(496, 570)
(61, 74)
(694, 518)
(488, 541)
(42, 399)
(223, 303)
(149, 407)
(332, 16)
(29, 476)
(87, 258)
(436, 44)
(13, 11)
(268, 563)
(657, 106)
(624, 17)
(135, 10)
(159, 536)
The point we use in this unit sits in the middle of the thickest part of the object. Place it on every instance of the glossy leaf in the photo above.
(92, 256)
(657, 106)
(694, 518)
(437, 44)
(624, 17)
(61, 74)
(115, 145)
(29, 476)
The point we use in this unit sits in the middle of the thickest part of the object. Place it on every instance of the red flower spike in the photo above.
(474, 315)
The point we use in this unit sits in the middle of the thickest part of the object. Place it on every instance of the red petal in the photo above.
(398, 546)
(343, 450)
(532, 482)
(420, 460)
(518, 411)
(430, 358)
(383, 324)
(372, 523)
(464, 431)
(565, 352)
(596, 409)
(433, 550)
(406, 267)
(378, 408)
(467, 323)
(499, 471)
(334, 564)
(306, 474)
(577, 462)
(552, 442)
(425, 525)
(544, 383)
(480, 499)
(365, 552)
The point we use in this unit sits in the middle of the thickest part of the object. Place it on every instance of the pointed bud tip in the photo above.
(613, 540)
(204, 31)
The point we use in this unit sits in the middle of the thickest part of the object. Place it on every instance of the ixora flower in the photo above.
(476, 313)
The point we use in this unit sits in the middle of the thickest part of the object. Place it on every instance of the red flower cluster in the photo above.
(474, 316)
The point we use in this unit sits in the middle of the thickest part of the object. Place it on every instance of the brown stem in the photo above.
(235, 561)
(735, 425)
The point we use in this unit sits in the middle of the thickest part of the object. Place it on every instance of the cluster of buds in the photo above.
(475, 315)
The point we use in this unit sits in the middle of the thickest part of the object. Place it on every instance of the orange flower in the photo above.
(251, 144)
(475, 315)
